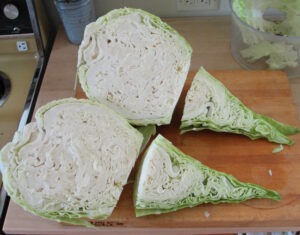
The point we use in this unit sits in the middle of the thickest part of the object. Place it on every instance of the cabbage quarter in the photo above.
(134, 63)
(210, 105)
(72, 163)
(169, 180)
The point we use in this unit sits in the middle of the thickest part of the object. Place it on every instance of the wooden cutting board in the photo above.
(266, 92)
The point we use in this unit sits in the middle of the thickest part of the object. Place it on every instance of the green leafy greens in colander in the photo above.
(277, 18)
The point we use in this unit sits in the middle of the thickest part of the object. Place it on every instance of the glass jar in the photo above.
(75, 15)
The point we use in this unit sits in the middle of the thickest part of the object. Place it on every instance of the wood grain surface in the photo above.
(265, 92)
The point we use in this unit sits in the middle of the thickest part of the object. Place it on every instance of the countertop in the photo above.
(209, 37)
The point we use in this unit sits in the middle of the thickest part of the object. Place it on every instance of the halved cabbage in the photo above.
(210, 105)
(134, 63)
(169, 180)
(72, 163)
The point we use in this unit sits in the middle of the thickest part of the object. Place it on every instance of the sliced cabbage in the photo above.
(134, 63)
(278, 55)
(72, 163)
(210, 105)
(169, 180)
(279, 18)
(285, 14)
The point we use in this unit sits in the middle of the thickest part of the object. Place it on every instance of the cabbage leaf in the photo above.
(147, 132)
(169, 180)
(278, 55)
(210, 105)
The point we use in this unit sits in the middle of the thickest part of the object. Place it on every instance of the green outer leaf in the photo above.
(152, 207)
(259, 126)
(283, 128)
(147, 132)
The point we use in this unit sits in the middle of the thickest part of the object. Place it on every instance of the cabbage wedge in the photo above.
(136, 64)
(72, 163)
(169, 180)
(210, 105)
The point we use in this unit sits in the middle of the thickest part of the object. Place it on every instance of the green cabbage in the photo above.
(279, 51)
(210, 105)
(134, 63)
(72, 163)
(169, 180)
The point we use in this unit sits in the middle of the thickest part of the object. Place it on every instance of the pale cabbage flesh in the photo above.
(210, 105)
(134, 63)
(169, 180)
(72, 163)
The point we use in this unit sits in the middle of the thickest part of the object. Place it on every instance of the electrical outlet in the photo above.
(197, 5)
(22, 46)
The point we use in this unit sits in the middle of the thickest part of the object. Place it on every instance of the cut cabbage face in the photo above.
(134, 63)
(72, 163)
(210, 105)
(169, 180)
